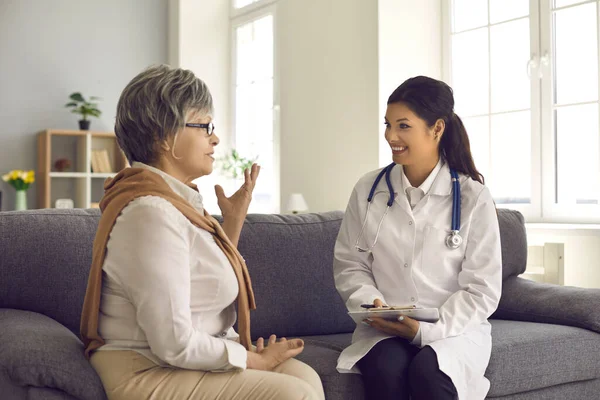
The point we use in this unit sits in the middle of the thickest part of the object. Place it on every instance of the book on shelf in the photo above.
(101, 161)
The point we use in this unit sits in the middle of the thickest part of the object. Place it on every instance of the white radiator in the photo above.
(546, 263)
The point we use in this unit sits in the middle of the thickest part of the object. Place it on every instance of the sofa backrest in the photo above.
(290, 259)
(514, 242)
(45, 256)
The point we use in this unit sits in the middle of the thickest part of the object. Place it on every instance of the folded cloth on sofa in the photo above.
(524, 300)
(40, 352)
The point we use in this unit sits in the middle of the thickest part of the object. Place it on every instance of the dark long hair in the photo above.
(431, 100)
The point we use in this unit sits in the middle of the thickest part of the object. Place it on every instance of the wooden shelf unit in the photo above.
(79, 181)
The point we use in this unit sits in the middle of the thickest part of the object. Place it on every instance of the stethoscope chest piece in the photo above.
(454, 240)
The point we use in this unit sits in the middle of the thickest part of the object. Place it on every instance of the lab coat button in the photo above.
(410, 222)
(405, 265)
(412, 299)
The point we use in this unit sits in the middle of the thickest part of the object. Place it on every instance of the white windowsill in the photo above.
(557, 229)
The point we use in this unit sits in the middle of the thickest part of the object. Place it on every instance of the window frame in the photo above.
(542, 208)
(240, 17)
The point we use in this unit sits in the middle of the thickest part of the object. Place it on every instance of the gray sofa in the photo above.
(546, 341)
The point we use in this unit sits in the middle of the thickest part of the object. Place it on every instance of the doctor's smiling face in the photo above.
(411, 139)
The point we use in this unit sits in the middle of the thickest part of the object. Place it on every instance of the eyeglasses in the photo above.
(210, 127)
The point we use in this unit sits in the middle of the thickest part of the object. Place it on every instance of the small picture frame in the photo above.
(64, 203)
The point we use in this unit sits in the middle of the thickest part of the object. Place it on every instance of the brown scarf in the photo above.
(129, 184)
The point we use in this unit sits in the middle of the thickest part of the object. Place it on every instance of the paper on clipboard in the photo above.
(392, 314)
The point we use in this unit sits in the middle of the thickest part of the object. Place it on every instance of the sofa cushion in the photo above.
(514, 242)
(321, 353)
(290, 259)
(45, 262)
(38, 351)
(528, 356)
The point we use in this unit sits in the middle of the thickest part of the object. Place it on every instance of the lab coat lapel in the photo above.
(442, 185)
(399, 192)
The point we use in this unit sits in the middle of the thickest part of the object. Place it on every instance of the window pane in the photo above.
(576, 57)
(510, 181)
(263, 48)
(244, 116)
(578, 154)
(509, 55)
(244, 53)
(255, 50)
(470, 77)
(254, 106)
(562, 3)
(469, 14)
(478, 129)
(503, 10)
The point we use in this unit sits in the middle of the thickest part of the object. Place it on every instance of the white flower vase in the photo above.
(21, 200)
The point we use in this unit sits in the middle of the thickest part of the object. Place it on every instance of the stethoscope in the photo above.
(453, 241)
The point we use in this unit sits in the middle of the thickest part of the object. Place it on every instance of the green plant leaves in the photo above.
(77, 97)
(233, 164)
(83, 107)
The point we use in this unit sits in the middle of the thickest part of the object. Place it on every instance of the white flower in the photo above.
(6, 177)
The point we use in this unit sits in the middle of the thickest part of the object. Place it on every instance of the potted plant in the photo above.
(234, 165)
(79, 105)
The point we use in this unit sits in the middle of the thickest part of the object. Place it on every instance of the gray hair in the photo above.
(154, 107)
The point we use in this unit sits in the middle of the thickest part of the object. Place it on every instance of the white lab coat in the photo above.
(412, 265)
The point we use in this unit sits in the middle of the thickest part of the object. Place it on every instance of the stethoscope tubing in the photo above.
(453, 241)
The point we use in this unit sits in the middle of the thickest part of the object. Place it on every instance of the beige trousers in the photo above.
(127, 375)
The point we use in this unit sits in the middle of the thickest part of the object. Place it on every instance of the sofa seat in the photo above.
(321, 352)
(526, 356)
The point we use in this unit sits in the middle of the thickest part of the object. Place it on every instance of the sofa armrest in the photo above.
(38, 353)
(525, 300)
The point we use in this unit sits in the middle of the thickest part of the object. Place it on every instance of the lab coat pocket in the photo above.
(439, 262)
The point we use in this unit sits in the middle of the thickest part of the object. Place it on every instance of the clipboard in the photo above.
(392, 314)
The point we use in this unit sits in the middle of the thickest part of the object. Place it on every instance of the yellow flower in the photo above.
(19, 179)
(29, 177)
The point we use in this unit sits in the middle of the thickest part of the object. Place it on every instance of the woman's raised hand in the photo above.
(237, 205)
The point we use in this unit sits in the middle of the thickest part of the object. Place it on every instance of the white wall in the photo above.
(410, 44)
(50, 49)
(327, 54)
(199, 40)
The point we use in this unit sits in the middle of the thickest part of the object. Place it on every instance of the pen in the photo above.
(367, 306)
(370, 306)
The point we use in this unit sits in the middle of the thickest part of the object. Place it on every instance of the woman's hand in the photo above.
(267, 358)
(406, 327)
(236, 206)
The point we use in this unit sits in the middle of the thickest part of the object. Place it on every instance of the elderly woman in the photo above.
(159, 307)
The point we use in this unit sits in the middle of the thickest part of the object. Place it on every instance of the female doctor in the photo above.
(428, 240)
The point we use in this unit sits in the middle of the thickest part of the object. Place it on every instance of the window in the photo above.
(525, 78)
(254, 131)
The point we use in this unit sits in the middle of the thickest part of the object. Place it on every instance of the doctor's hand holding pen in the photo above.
(405, 327)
